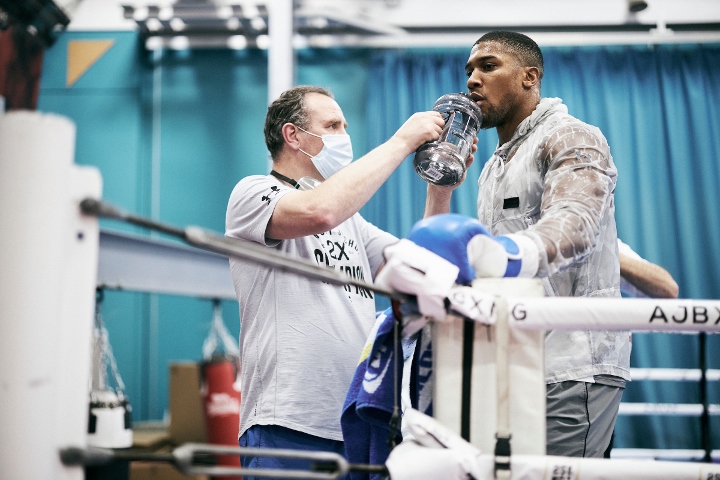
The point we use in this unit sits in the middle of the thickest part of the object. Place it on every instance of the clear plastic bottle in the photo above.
(442, 162)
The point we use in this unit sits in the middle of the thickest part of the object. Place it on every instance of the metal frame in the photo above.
(137, 263)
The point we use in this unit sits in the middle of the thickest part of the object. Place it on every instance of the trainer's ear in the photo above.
(289, 133)
(531, 77)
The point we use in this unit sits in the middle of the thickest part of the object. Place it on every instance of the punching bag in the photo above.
(221, 389)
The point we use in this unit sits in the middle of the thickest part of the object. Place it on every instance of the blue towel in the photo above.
(367, 417)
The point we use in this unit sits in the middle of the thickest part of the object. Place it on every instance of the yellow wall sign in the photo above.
(82, 54)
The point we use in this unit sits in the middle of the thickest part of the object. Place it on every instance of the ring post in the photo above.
(525, 365)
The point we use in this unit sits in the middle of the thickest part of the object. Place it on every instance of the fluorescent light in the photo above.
(154, 43)
(153, 24)
(258, 23)
(165, 13)
(299, 41)
(233, 23)
(224, 11)
(321, 41)
(237, 42)
(179, 43)
(262, 42)
(250, 11)
(177, 24)
(140, 14)
(318, 22)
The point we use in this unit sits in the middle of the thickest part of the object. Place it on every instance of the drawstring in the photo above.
(497, 158)
(501, 170)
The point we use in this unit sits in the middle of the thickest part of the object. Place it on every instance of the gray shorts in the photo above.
(581, 417)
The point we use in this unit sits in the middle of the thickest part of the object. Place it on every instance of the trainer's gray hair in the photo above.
(288, 108)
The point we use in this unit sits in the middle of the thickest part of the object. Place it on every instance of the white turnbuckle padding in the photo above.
(526, 375)
(435, 452)
(471, 303)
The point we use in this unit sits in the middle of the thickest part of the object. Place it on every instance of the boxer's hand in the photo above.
(466, 242)
(471, 157)
(448, 189)
(448, 235)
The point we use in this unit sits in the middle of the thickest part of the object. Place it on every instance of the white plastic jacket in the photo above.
(554, 182)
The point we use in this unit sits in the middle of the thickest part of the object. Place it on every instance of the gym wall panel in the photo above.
(106, 106)
(213, 106)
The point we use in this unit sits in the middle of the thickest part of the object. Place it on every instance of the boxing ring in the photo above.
(504, 359)
(507, 428)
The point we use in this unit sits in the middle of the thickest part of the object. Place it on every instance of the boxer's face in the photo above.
(494, 82)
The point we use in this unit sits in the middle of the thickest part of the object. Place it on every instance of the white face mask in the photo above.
(335, 154)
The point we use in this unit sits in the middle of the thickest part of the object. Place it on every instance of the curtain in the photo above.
(658, 108)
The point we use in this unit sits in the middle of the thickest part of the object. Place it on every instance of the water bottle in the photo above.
(442, 162)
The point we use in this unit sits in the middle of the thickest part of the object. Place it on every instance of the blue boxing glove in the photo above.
(413, 269)
(467, 243)
(448, 235)
(445, 250)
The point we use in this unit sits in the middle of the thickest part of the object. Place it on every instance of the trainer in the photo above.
(301, 339)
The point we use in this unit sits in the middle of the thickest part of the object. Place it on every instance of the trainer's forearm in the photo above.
(351, 188)
(341, 196)
(345, 192)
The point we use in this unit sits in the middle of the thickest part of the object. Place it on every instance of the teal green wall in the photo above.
(171, 135)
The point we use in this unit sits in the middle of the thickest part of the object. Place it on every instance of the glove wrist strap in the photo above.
(526, 264)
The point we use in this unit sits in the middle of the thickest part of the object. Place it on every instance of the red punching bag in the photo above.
(221, 390)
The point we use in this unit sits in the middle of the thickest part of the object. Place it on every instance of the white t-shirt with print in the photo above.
(300, 338)
(626, 287)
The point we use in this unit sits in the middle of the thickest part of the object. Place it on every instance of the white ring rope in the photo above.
(674, 374)
(662, 453)
(541, 467)
(675, 409)
(682, 316)
(581, 313)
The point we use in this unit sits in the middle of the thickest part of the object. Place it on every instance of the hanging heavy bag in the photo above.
(220, 388)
